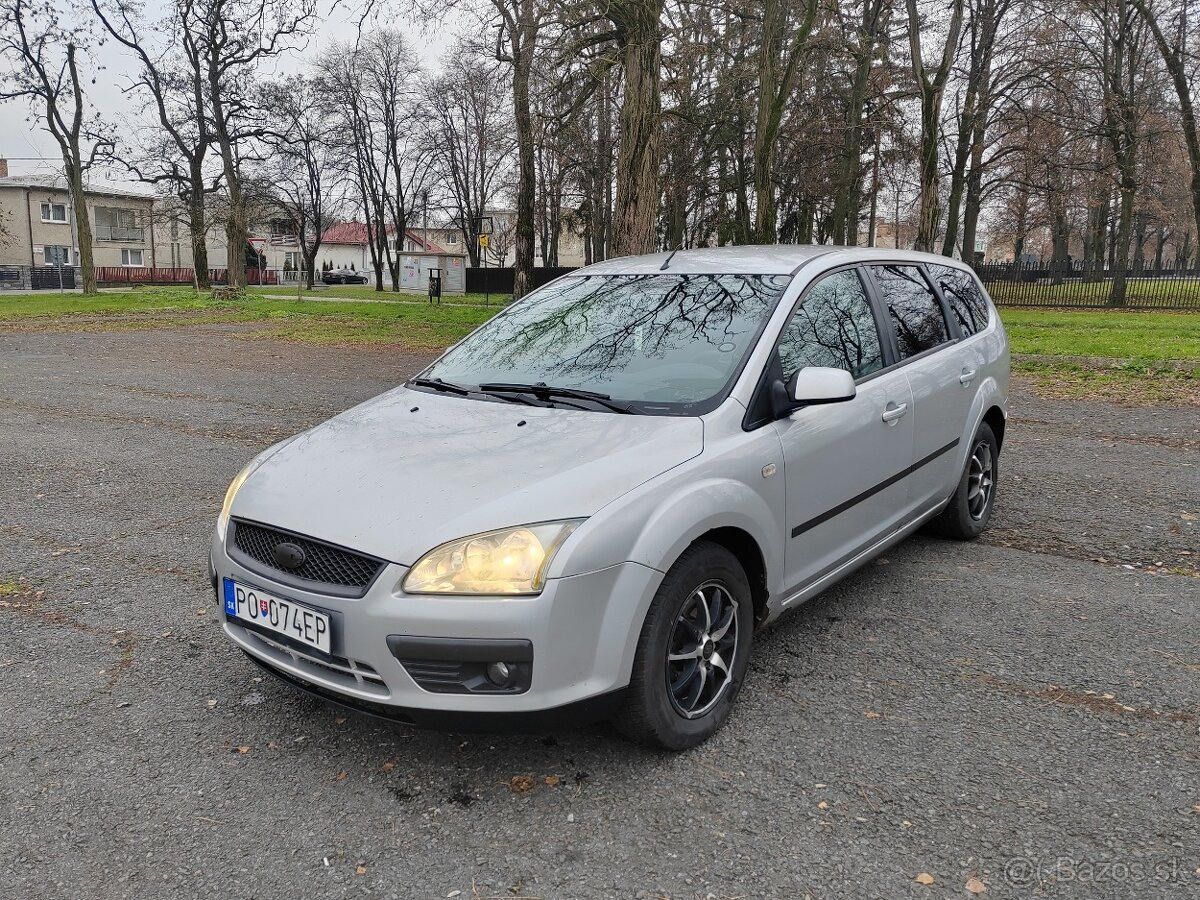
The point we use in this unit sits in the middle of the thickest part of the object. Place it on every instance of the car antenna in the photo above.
(667, 261)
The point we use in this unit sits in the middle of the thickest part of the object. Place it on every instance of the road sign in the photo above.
(259, 244)
(484, 240)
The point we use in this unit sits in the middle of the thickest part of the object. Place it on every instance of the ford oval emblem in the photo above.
(288, 555)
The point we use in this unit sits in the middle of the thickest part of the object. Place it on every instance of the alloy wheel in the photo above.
(979, 480)
(701, 650)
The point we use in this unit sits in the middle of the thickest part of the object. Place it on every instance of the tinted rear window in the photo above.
(913, 308)
(965, 297)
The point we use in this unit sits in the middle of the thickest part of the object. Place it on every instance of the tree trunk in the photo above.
(958, 174)
(198, 235)
(849, 177)
(1124, 235)
(83, 226)
(524, 34)
(1176, 65)
(73, 169)
(974, 194)
(932, 90)
(774, 91)
(236, 228)
(639, 42)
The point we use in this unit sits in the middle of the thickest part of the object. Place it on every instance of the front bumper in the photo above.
(581, 633)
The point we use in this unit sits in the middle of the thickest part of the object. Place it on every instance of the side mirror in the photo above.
(818, 384)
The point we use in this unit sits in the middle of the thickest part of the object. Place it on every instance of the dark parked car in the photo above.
(344, 276)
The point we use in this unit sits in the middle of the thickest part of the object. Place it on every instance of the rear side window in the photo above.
(962, 292)
(912, 307)
(833, 326)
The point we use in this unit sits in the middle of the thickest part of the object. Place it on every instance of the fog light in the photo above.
(499, 674)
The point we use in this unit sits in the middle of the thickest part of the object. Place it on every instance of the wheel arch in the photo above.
(743, 546)
(995, 420)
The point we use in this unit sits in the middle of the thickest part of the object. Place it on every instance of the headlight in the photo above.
(234, 486)
(508, 561)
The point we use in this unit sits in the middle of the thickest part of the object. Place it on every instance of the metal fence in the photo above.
(110, 276)
(1079, 286)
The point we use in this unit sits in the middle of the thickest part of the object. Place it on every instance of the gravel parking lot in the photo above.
(1018, 716)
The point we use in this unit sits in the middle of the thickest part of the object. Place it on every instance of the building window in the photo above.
(56, 256)
(281, 230)
(291, 260)
(54, 212)
(132, 257)
(451, 239)
(118, 224)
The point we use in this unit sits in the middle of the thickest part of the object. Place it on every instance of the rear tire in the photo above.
(692, 653)
(970, 508)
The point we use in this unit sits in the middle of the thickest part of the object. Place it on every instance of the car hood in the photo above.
(409, 470)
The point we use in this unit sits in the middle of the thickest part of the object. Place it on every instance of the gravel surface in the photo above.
(1018, 715)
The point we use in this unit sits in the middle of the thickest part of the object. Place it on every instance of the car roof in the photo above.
(776, 259)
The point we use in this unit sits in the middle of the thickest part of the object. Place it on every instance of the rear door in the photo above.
(925, 348)
(844, 463)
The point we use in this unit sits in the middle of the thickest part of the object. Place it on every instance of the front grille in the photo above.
(326, 568)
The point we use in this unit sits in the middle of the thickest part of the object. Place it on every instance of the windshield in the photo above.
(663, 342)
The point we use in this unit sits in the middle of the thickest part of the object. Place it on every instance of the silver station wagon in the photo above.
(586, 507)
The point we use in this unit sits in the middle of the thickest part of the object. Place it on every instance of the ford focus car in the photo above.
(588, 506)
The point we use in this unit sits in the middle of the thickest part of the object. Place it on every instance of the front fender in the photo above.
(656, 523)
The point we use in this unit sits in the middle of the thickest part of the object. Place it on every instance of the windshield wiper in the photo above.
(438, 385)
(543, 391)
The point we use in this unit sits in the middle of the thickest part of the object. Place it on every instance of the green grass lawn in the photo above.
(420, 325)
(1152, 356)
(1140, 357)
(1130, 336)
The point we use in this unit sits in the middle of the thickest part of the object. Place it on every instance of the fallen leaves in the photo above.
(388, 766)
(871, 714)
(552, 780)
(343, 775)
(924, 878)
(360, 869)
(243, 749)
(824, 804)
(521, 784)
(975, 886)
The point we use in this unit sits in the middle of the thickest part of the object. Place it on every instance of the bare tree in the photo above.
(1172, 46)
(301, 171)
(639, 46)
(471, 138)
(233, 39)
(172, 76)
(44, 69)
(782, 46)
(375, 90)
(931, 84)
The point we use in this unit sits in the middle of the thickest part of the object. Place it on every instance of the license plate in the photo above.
(275, 614)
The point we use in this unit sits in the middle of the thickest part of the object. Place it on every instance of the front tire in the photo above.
(692, 653)
(970, 508)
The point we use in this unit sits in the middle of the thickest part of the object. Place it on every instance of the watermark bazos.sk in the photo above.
(1032, 870)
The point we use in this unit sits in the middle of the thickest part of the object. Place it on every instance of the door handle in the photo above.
(893, 411)
(966, 376)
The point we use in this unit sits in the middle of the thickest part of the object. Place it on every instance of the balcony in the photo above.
(120, 233)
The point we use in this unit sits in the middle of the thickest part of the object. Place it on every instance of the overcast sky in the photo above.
(30, 150)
